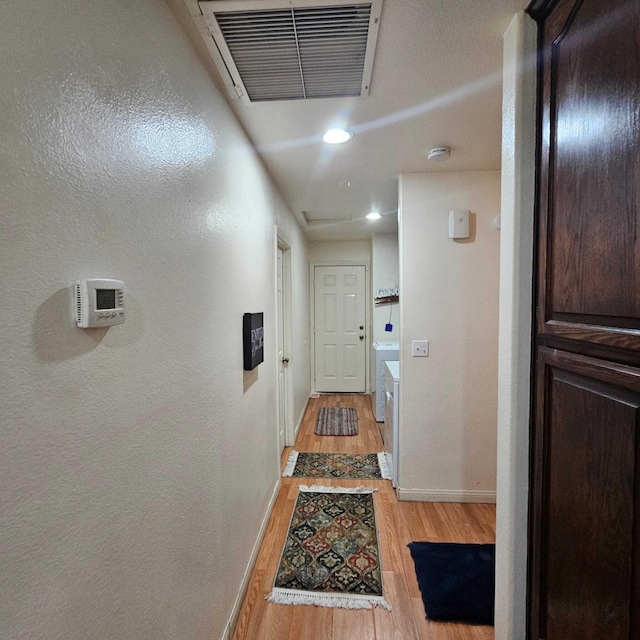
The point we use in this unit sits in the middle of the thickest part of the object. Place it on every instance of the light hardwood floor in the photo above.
(398, 522)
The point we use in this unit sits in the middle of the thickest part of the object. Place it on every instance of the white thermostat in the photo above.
(99, 302)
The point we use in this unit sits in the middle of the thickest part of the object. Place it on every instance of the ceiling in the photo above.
(437, 80)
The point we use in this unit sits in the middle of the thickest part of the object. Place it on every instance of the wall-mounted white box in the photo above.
(459, 223)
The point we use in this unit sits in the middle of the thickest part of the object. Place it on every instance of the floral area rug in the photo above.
(336, 421)
(337, 465)
(331, 556)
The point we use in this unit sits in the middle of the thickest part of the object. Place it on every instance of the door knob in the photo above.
(361, 327)
(361, 337)
(285, 360)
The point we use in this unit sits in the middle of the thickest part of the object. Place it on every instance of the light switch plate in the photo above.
(420, 348)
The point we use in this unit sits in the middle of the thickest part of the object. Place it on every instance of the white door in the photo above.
(339, 321)
(282, 359)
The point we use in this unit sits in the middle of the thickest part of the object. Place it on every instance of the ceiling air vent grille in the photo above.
(295, 50)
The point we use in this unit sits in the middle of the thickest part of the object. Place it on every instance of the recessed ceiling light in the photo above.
(337, 136)
(374, 215)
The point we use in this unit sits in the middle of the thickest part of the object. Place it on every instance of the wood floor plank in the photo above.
(397, 624)
(250, 616)
(278, 621)
(353, 625)
(409, 567)
(431, 517)
(398, 522)
(310, 623)
(387, 518)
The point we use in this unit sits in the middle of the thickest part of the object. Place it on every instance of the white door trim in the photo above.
(285, 247)
(367, 309)
(515, 326)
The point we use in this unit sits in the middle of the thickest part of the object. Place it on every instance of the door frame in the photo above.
(367, 317)
(516, 322)
(284, 245)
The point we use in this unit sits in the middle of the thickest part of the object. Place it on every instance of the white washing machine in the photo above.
(382, 351)
(391, 415)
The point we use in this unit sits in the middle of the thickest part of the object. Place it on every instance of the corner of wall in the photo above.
(516, 313)
(449, 296)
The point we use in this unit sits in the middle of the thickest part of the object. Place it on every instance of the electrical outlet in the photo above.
(420, 348)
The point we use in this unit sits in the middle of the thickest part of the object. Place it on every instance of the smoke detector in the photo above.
(438, 154)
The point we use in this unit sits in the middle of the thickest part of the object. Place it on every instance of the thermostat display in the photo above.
(105, 298)
(99, 302)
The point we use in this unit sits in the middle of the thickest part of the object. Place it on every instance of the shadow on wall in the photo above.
(249, 378)
(56, 337)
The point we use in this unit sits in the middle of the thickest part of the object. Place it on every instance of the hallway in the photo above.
(399, 523)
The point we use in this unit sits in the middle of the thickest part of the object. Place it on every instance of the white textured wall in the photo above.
(449, 296)
(337, 250)
(137, 462)
(516, 258)
(385, 270)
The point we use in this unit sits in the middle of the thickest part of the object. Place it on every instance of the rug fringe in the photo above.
(342, 601)
(316, 488)
(385, 466)
(291, 464)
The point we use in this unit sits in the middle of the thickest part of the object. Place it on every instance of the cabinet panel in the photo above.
(586, 500)
(589, 287)
(589, 508)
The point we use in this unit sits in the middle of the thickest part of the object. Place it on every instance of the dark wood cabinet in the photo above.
(586, 431)
(584, 546)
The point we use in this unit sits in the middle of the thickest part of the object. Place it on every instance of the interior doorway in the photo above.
(340, 328)
(283, 292)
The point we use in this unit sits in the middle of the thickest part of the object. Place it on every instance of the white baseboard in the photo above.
(300, 419)
(445, 495)
(235, 610)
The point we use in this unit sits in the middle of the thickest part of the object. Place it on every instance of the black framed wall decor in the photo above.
(253, 340)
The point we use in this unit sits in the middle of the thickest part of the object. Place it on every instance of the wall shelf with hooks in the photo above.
(386, 300)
